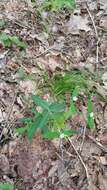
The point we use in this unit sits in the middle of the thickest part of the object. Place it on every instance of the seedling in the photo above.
(8, 41)
(52, 118)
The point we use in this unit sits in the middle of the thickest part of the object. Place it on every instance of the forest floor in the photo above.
(56, 43)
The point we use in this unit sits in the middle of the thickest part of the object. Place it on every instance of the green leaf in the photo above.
(51, 135)
(25, 120)
(40, 122)
(70, 132)
(31, 131)
(19, 43)
(21, 130)
(90, 122)
(74, 93)
(6, 186)
(58, 4)
(5, 39)
(57, 107)
(90, 106)
(42, 103)
(8, 40)
(73, 110)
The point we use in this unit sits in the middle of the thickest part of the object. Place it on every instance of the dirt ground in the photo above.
(58, 42)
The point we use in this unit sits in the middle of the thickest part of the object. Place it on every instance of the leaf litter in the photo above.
(65, 41)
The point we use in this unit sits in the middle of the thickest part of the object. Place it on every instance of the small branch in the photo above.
(82, 162)
(96, 33)
(95, 29)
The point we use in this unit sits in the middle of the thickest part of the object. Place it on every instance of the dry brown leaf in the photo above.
(4, 164)
(77, 23)
(103, 139)
(102, 182)
(27, 86)
(103, 22)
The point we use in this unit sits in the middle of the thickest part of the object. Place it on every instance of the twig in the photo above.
(43, 53)
(82, 162)
(83, 139)
(96, 33)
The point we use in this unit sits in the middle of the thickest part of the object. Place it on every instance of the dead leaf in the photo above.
(103, 160)
(102, 182)
(103, 22)
(104, 78)
(103, 139)
(53, 169)
(2, 60)
(77, 23)
(27, 86)
(50, 62)
(103, 5)
(4, 164)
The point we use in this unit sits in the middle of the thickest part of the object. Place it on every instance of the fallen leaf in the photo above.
(4, 164)
(104, 79)
(103, 5)
(103, 22)
(102, 182)
(27, 86)
(103, 139)
(77, 23)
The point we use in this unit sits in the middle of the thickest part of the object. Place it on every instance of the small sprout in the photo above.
(92, 114)
(75, 98)
(62, 135)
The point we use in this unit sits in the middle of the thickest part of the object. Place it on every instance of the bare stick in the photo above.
(96, 33)
(82, 162)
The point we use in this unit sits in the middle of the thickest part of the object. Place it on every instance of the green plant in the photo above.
(52, 118)
(6, 186)
(56, 5)
(59, 85)
(8, 41)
